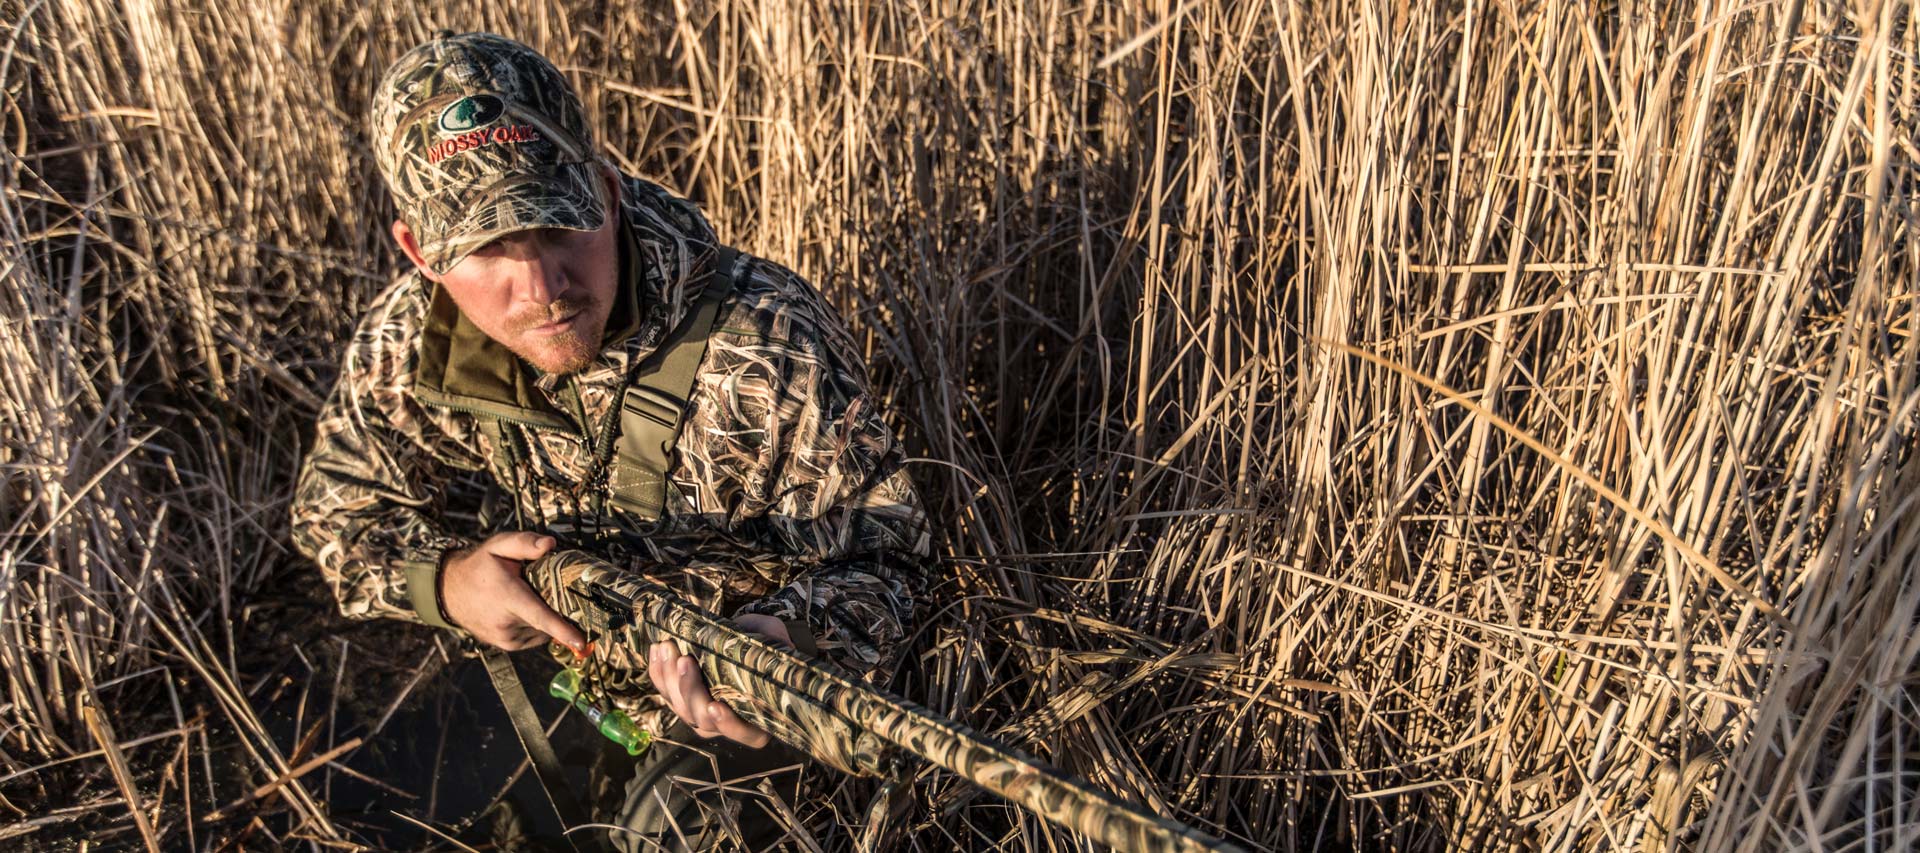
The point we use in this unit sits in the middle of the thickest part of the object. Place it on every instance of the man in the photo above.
(547, 291)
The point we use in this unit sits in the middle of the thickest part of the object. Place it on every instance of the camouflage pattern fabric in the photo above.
(479, 135)
(821, 710)
(787, 496)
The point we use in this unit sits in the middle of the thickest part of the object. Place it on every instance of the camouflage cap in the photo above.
(477, 136)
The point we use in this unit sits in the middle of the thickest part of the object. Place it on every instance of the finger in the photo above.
(693, 691)
(524, 603)
(519, 545)
(517, 637)
(678, 681)
(502, 640)
(733, 726)
(661, 671)
(654, 672)
(686, 686)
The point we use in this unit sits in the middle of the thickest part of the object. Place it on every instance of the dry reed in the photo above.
(1376, 425)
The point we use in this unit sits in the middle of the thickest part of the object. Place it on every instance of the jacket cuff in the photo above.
(423, 588)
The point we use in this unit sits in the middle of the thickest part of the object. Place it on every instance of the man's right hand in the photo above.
(484, 590)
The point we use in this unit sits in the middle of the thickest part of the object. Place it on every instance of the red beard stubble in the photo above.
(567, 352)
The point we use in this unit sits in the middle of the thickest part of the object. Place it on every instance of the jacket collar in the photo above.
(666, 240)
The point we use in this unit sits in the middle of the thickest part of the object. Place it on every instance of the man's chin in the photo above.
(560, 355)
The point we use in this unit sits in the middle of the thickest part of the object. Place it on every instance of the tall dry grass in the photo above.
(1376, 425)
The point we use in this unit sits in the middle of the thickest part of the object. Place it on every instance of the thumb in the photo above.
(518, 546)
(544, 619)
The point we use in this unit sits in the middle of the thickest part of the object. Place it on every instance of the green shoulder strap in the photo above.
(546, 765)
(656, 399)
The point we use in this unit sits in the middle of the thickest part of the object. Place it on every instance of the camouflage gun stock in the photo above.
(842, 722)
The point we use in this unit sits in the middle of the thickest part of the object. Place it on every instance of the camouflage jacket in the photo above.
(787, 493)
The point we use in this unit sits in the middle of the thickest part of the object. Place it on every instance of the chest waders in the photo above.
(655, 401)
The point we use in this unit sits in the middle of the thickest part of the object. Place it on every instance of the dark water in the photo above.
(453, 748)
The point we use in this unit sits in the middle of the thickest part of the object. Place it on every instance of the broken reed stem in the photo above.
(117, 762)
(283, 779)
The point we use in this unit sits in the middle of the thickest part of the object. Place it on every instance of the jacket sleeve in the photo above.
(367, 503)
(834, 496)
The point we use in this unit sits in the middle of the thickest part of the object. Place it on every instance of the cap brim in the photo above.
(570, 198)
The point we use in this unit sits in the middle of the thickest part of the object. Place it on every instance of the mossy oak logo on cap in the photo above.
(468, 118)
(470, 112)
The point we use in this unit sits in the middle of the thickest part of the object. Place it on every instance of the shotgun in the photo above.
(842, 722)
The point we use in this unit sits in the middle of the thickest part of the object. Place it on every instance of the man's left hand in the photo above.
(678, 679)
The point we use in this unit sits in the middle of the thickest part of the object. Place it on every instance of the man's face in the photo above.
(545, 293)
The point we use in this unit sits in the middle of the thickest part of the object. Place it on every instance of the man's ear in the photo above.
(408, 244)
(611, 177)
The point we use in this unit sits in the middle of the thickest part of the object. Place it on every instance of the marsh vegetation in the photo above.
(1373, 425)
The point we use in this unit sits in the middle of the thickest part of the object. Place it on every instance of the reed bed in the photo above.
(1354, 425)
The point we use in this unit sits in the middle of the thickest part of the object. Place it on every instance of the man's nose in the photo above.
(542, 280)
